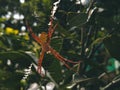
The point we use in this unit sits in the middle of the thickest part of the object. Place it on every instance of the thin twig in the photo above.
(82, 42)
(90, 6)
(111, 83)
(88, 37)
(93, 50)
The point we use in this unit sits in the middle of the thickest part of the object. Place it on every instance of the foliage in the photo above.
(86, 33)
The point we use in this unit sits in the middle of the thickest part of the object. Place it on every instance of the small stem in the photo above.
(82, 64)
(111, 83)
(88, 38)
(82, 42)
(93, 50)
(90, 6)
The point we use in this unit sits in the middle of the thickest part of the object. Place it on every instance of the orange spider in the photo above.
(44, 40)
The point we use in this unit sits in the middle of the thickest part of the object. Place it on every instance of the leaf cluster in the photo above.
(89, 34)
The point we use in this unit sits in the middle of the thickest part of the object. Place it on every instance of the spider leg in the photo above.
(55, 53)
(63, 62)
(40, 61)
(59, 57)
(50, 32)
(36, 38)
(51, 29)
(64, 59)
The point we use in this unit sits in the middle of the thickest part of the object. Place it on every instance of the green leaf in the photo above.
(55, 69)
(2, 46)
(5, 41)
(56, 43)
(23, 59)
(62, 30)
(6, 77)
(10, 72)
(13, 42)
(113, 45)
(76, 19)
(97, 41)
(2, 19)
(52, 64)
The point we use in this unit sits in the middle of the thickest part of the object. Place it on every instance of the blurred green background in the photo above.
(88, 31)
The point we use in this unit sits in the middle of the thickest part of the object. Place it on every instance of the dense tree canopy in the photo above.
(88, 31)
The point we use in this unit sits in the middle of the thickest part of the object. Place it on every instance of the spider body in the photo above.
(43, 37)
(44, 40)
